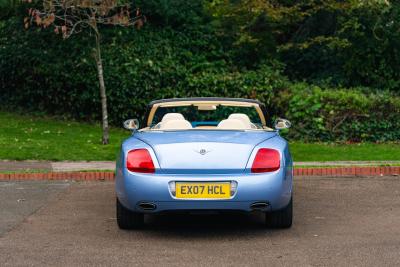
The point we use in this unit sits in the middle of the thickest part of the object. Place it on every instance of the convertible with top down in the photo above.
(204, 154)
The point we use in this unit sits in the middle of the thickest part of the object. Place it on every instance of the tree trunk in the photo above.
(103, 96)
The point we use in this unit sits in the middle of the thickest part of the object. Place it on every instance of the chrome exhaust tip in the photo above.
(259, 205)
(147, 206)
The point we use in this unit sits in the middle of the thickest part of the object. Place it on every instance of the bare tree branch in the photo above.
(70, 17)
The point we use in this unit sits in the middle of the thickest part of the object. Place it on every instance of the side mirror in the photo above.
(282, 124)
(132, 124)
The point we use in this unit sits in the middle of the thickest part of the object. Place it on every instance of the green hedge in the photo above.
(340, 114)
(41, 73)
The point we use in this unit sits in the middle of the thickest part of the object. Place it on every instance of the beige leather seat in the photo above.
(232, 124)
(175, 125)
(244, 118)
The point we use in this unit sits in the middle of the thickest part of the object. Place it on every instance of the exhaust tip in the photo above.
(147, 206)
(259, 205)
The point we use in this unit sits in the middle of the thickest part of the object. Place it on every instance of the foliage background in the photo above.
(331, 67)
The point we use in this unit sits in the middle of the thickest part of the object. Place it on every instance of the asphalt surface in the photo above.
(20, 199)
(338, 221)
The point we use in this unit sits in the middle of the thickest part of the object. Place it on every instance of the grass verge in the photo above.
(344, 152)
(27, 138)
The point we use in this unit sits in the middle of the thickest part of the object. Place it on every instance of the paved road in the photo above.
(20, 199)
(338, 221)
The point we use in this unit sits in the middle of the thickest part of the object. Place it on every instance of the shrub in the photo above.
(340, 114)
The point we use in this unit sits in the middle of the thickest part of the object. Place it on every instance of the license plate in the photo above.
(203, 190)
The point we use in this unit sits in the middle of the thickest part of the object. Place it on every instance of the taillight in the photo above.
(266, 160)
(139, 160)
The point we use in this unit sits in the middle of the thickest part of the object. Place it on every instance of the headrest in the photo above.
(175, 125)
(240, 116)
(172, 116)
(232, 124)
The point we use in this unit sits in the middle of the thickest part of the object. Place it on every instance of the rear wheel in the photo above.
(128, 219)
(281, 218)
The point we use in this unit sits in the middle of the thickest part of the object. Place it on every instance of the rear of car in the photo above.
(160, 169)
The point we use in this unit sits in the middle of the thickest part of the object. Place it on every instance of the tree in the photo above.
(70, 17)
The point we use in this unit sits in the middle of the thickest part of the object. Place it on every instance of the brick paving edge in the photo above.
(56, 176)
(109, 176)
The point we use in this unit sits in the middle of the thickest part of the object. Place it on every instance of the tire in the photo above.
(280, 219)
(127, 219)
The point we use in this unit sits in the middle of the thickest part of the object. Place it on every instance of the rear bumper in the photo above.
(200, 205)
(273, 188)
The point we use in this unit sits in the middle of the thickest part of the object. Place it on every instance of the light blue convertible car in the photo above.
(204, 154)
